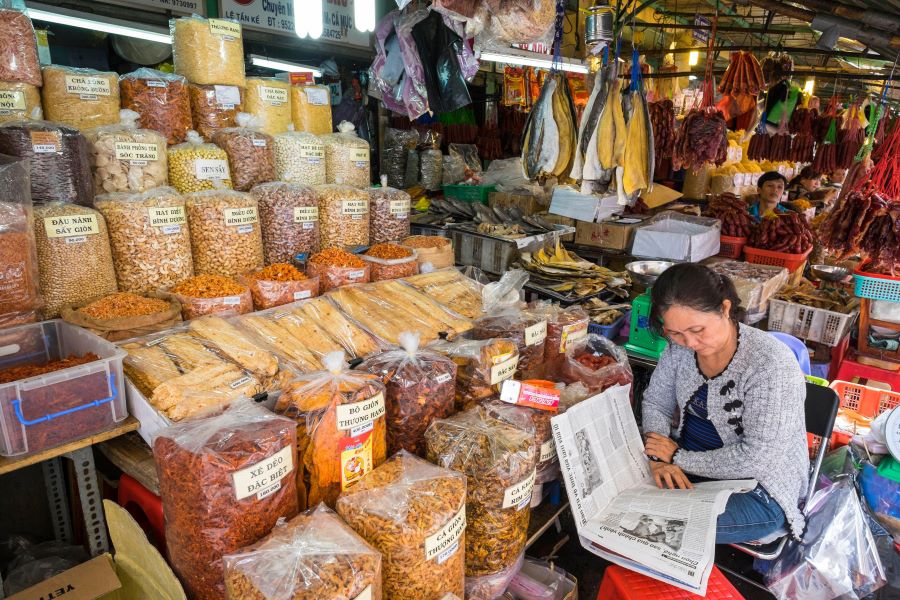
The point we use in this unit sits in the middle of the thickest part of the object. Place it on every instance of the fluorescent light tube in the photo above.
(364, 15)
(280, 65)
(308, 18)
(95, 23)
(530, 61)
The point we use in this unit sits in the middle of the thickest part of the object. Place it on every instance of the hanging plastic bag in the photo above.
(439, 48)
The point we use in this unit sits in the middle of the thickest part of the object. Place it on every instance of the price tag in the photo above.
(303, 294)
(231, 301)
(316, 96)
(228, 95)
(264, 478)
(548, 451)
(259, 143)
(443, 378)
(519, 495)
(156, 83)
(536, 333)
(356, 274)
(45, 142)
(211, 168)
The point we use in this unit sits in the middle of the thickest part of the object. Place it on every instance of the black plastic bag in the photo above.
(439, 47)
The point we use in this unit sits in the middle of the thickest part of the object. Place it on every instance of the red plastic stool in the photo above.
(850, 370)
(621, 584)
(838, 353)
(146, 508)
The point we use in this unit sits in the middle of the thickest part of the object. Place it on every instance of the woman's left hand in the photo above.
(660, 446)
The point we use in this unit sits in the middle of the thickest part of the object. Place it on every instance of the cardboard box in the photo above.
(87, 581)
(527, 203)
(659, 195)
(558, 220)
(613, 235)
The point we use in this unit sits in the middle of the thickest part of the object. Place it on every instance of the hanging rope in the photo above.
(709, 84)
(558, 34)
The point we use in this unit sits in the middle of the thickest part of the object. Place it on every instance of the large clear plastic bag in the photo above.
(19, 61)
(483, 365)
(413, 512)
(597, 363)
(195, 166)
(311, 109)
(214, 107)
(80, 98)
(289, 213)
(837, 557)
(125, 158)
(161, 100)
(226, 238)
(314, 555)
(269, 100)
(346, 157)
(388, 213)
(535, 422)
(566, 329)
(397, 144)
(208, 51)
(518, 22)
(19, 101)
(300, 158)
(251, 156)
(225, 480)
(19, 298)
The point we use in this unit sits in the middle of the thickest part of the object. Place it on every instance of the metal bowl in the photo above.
(830, 273)
(645, 272)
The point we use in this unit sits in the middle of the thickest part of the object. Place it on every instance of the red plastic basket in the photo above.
(731, 247)
(621, 584)
(867, 401)
(791, 262)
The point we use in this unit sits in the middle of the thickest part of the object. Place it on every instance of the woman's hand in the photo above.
(660, 446)
(669, 476)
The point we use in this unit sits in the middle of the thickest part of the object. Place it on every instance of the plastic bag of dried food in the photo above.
(483, 366)
(413, 512)
(431, 171)
(208, 51)
(397, 144)
(346, 157)
(390, 261)
(80, 98)
(278, 284)
(535, 422)
(388, 213)
(74, 258)
(196, 166)
(18, 49)
(149, 236)
(300, 158)
(214, 107)
(343, 216)
(486, 587)
(336, 267)
(19, 299)
(251, 158)
(311, 109)
(518, 22)
(19, 101)
(498, 461)
(58, 156)
(566, 328)
(289, 214)
(597, 363)
(468, 154)
(269, 100)
(225, 480)
(161, 100)
(314, 555)
(211, 294)
(225, 232)
(420, 388)
(125, 158)
(341, 431)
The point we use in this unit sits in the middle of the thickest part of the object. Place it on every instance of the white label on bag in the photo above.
(239, 382)
(240, 216)
(273, 95)
(366, 594)
(227, 94)
(443, 378)
(88, 88)
(445, 541)
(361, 158)
(302, 294)
(400, 208)
(354, 207)
(306, 214)
(211, 168)
(519, 495)
(356, 274)
(80, 239)
(157, 83)
(571, 334)
(135, 151)
(504, 368)
(548, 451)
(259, 143)
(170, 229)
(350, 416)
(45, 142)
(264, 478)
(75, 225)
(536, 334)
(10, 100)
(316, 96)
(226, 29)
(231, 300)
(313, 154)
(162, 217)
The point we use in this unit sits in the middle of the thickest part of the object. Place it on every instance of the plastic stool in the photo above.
(838, 354)
(621, 584)
(146, 508)
(850, 370)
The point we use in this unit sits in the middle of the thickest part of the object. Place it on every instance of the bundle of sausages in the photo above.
(732, 211)
(743, 75)
(702, 139)
(789, 233)
(863, 222)
(662, 119)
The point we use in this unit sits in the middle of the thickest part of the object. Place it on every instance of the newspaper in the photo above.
(620, 513)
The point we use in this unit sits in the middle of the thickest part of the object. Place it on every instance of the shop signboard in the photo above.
(185, 7)
(277, 16)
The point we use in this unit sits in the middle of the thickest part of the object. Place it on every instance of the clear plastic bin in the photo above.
(48, 410)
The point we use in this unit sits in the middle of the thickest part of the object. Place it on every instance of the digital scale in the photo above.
(641, 340)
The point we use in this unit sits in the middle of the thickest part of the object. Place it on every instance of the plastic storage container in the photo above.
(791, 262)
(876, 286)
(731, 247)
(469, 193)
(48, 410)
(808, 323)
(867, 401)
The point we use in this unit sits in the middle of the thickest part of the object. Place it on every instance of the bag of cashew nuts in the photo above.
(289, 213)
(125, 158)
(250, 152)
(343, 216)
(225, 232)
(149, 235)
(347, 157)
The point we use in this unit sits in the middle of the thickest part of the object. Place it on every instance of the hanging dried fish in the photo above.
(548, 143)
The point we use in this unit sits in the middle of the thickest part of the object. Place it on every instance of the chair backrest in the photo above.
(821, 407)
(798, 348)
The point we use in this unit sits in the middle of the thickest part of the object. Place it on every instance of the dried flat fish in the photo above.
(548, 143)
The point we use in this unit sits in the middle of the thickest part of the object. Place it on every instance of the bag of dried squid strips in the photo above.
(414, 513)
(314, 555)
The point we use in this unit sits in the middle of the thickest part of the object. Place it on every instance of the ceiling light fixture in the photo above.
(280, 65)
(810, 86)
(364, 15)
(61, 16)
(693, 58)
(308, 18)
(524, 60)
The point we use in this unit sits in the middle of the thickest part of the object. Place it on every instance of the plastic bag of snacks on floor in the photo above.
(80, 98)
(483, 366)
(536, 422)
(346, 157)
(19, 61)
(19, 299)
(420, 389)
(125, 158)
(335, 267)
(214, 107)
(58, 156)
(390, 261)
(433, 250)
(314, 555)
(566, 328)
(225, 480)
(300, 158)
(388, 214)
(343, 216)
(414, 513)
(211, 294)
(74, 257)
(196, 166)
(123, 315)
(251, 159)
(311, 109)
(341, 429)
(225, 232)
(161, 100)
(269, 100)
(149, 237)
(499, 463)
(208, 51)
(277, 284)
(597, 363)
(289, 213)
(19, 101)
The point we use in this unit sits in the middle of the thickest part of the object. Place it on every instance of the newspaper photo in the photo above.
(620, 513)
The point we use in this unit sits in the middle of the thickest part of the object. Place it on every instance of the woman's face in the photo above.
(706, 333)
(811, 184)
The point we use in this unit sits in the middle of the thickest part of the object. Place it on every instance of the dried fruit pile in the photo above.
(732, 211)
(789, 233)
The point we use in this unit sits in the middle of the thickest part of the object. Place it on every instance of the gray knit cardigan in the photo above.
(756, 405)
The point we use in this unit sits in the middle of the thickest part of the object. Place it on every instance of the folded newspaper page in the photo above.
(620, 513)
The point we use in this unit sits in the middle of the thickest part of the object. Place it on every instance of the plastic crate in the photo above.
(867, 401)
(875, 286)
(620, 583)
(469, 193)
(610, 331)
(731, 247)
(791, 262)
(808, 323)
(851, 370)
(49, 410)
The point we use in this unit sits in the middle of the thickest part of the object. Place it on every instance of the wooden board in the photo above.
(133, 456)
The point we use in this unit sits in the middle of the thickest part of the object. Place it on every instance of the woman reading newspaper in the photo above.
(725, 402)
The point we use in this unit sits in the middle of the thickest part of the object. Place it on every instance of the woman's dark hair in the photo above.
(770, 176)
(693, 286)
(807, 172)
